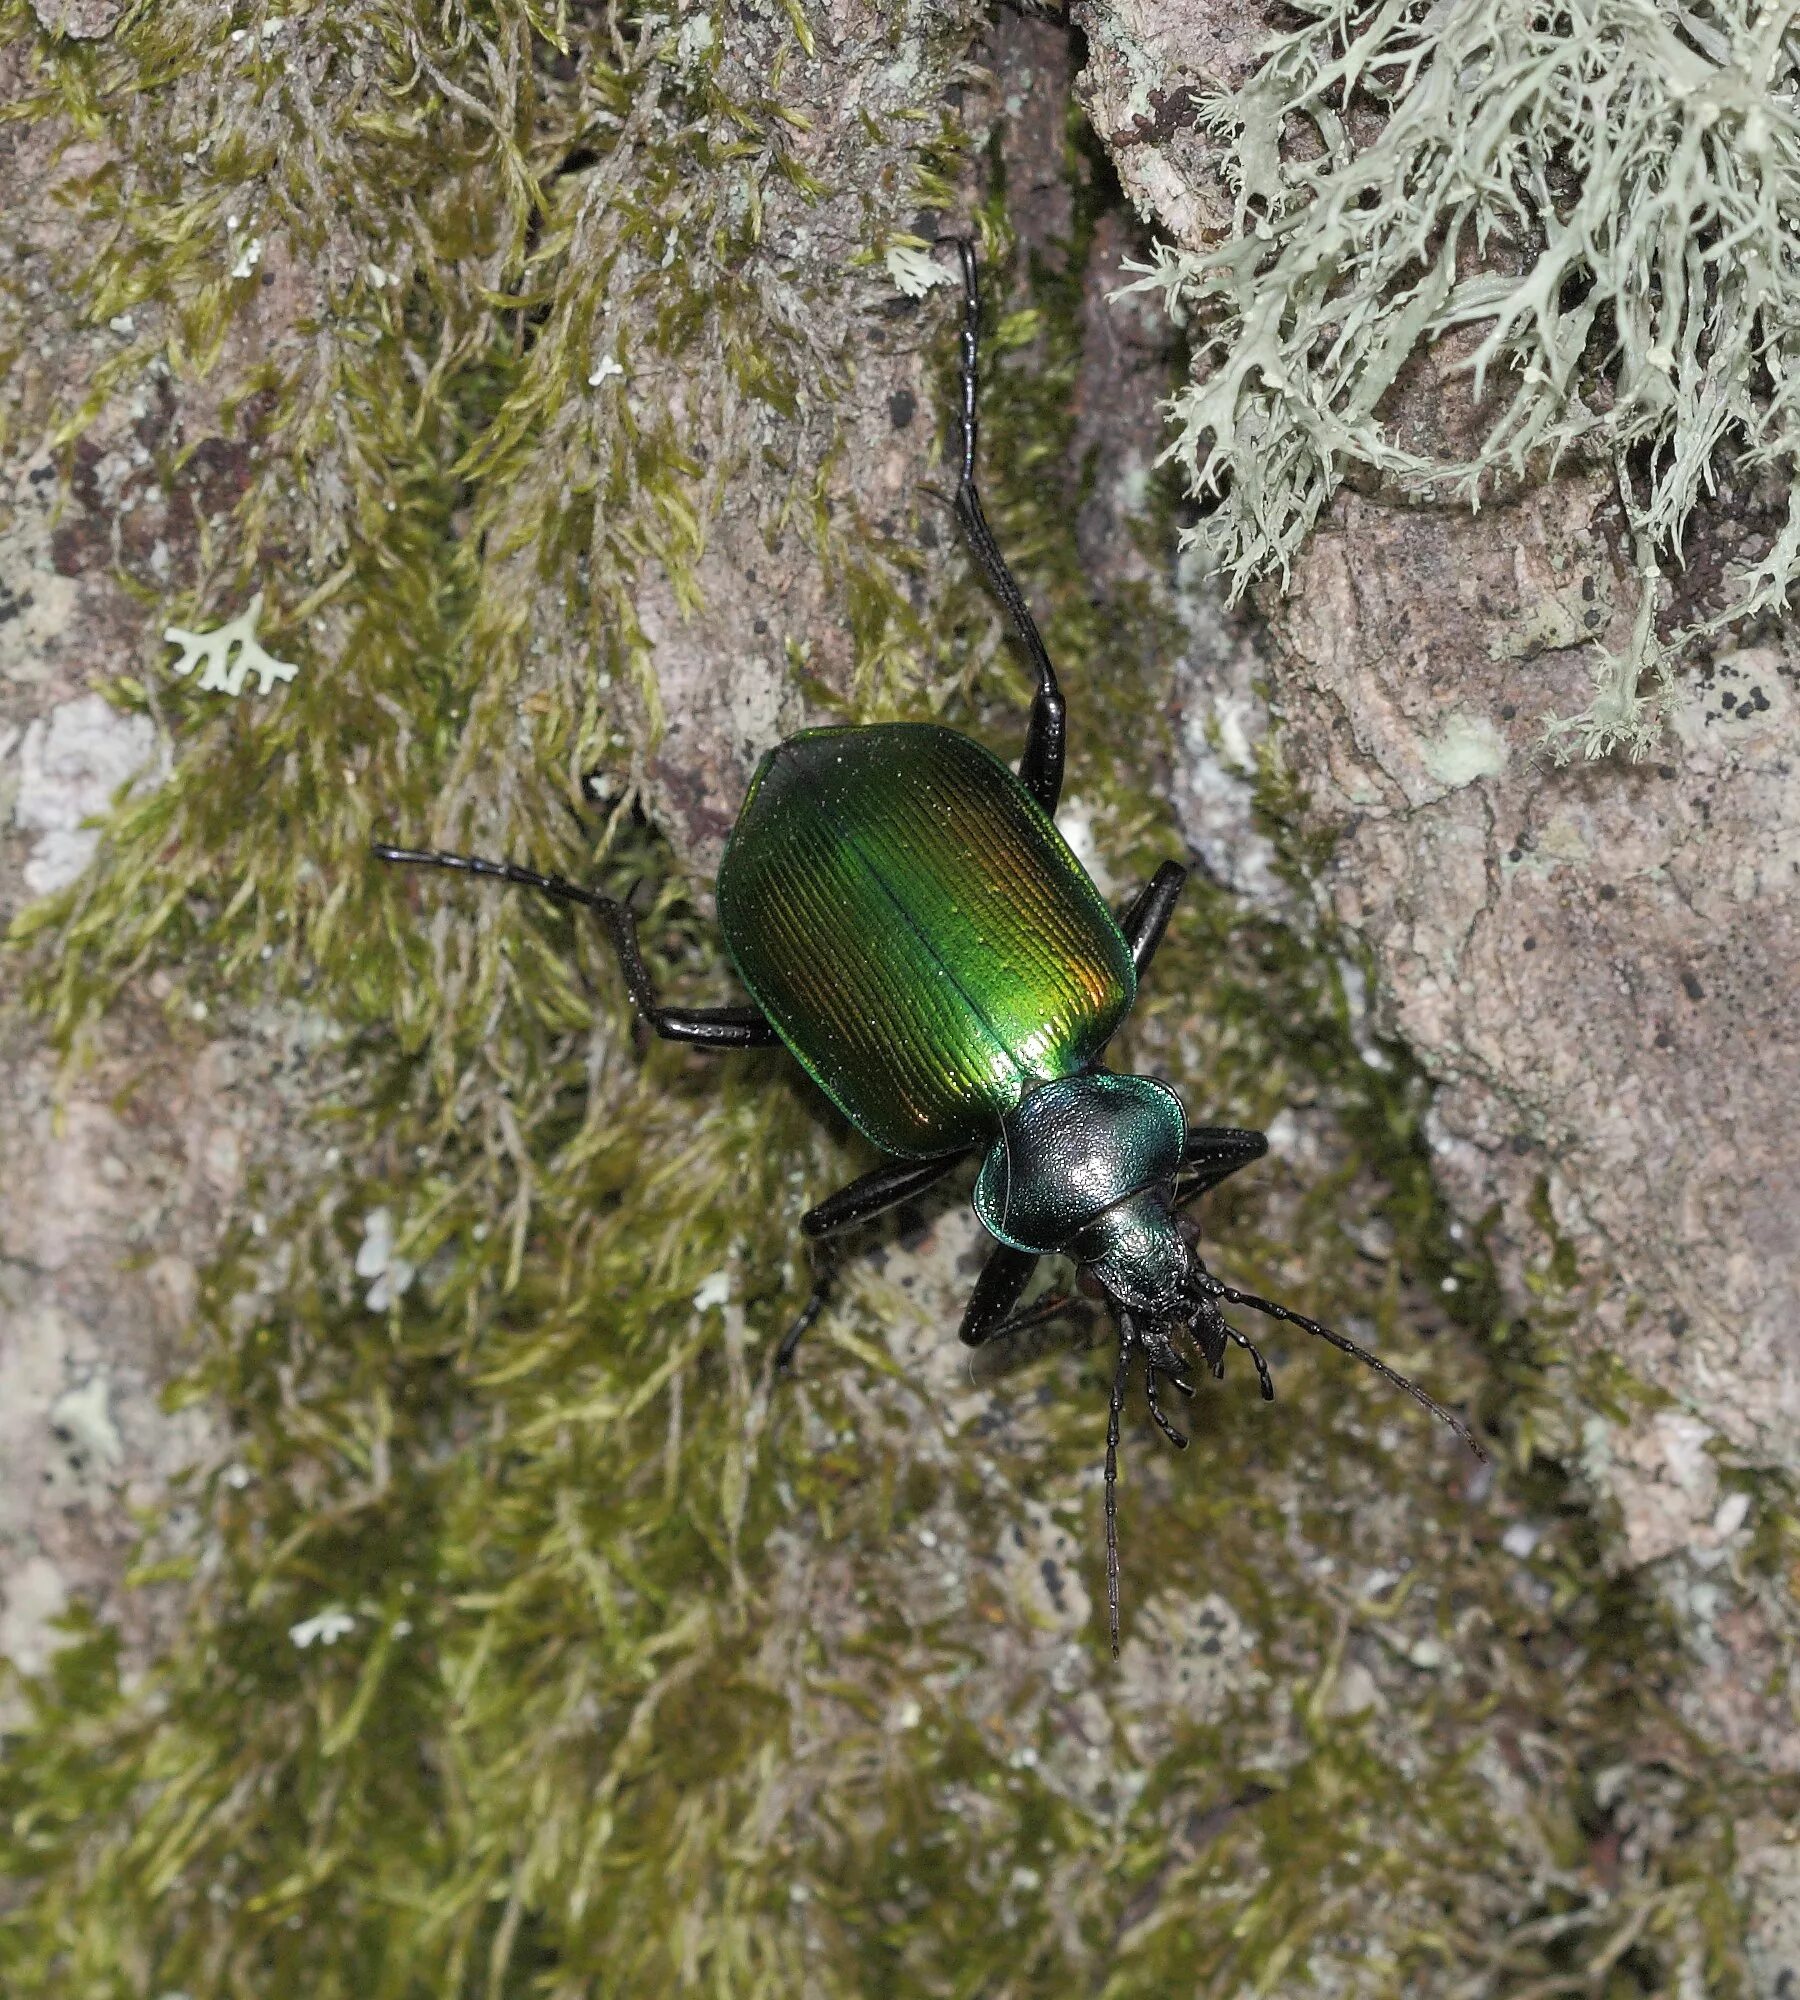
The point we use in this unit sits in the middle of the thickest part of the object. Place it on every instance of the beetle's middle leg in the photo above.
(1147, 915)
(1213, 1154)
(1041, 767)
(740, 1027)
(884, 1187)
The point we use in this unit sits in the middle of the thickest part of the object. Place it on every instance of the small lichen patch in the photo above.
(1041, 1559)
(1467, 748)
(1742, 699)
(376, 1260)
(1771, 1875)
(228, 654)
(324, 1628)
(71, 765)
(1185, 1664)
(82, 1416)
(33, 1598)
(713, 1290)
(914, 270)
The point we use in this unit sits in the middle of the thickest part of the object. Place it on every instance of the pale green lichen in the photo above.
(1599, 201)
(1467, 747)
(228, 655)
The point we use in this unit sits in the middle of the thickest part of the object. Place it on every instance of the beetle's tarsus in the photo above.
(1255, 1353)
(1177, 1438)
(824, 1279)
(742, 1027)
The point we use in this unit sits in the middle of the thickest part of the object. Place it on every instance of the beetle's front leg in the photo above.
(997, 1291)
(882, 1188)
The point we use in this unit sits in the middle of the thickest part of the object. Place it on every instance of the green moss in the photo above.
(654, 1684)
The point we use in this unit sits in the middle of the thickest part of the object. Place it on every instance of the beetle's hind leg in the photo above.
(1041, 767)
(740, 1027)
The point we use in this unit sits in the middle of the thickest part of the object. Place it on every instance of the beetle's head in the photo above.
(1085, 1167)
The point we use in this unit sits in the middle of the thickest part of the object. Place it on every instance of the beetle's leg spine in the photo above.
(1041, 767)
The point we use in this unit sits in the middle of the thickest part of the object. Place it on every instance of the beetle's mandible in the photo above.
(910, 923)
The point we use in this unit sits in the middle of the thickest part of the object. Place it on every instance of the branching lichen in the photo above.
(228, 655)
(1600, 201)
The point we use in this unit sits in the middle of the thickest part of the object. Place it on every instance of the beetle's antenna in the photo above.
(1232, 1296)
(1114, 1413)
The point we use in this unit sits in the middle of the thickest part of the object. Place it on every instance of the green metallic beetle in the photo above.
(911, 925)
